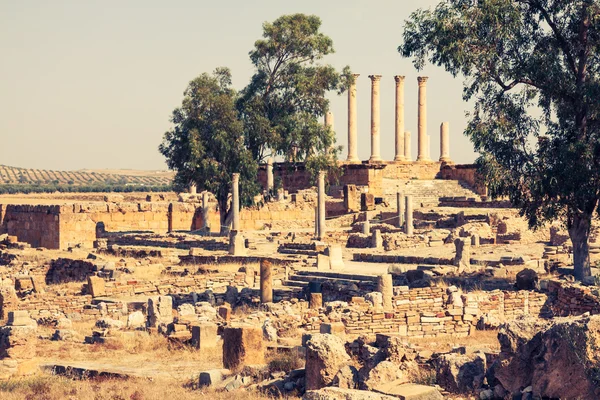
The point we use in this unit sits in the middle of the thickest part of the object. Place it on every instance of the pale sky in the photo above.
(92, 84)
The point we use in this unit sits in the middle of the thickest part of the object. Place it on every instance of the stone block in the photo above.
(19, 318)
(204, 336)
(96, 286)
(225, 313)
(212, 377)
(351, 198)
(367, 201)
(335, 257)
(237, 244)
(242, 345)
(323, 262)
(333, 328)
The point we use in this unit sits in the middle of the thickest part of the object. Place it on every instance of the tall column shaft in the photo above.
(409, 215)
(375, 119)
(321, 199)
(399, 122)
(352, 124)
(407, 152)
(422, 115)
(445, 142)
(270, 179)
(400, 208)
(266, 282)
(235, 203)
(205, 209)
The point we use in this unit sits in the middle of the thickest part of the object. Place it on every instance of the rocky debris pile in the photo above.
(549, 360)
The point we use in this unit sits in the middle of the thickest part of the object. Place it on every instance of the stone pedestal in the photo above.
(400, 209)
(235, 202)
(335, 256)
(375, 119)
(352, 124)
(204, 336)
(475, 240)
(237, 244)
(462, 259)
(445, 142)
(242, 346)
(407, 152)
(385, 286)
(160, 311)
(422, 119)
(266, 282)
(376, 239)
(321, 200)
(399, 121)
(315, 301)
(409, 215)
(270, 178)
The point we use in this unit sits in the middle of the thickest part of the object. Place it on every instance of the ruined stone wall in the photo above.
(36, 225)
(426, 171)
(466, 173)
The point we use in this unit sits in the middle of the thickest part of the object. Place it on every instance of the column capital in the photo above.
(399, 78)
(422, 80)
(375, 78)
(235, 177)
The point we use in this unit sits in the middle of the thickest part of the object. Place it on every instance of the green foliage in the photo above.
(283, 106)
(519, 56)
(207, 144)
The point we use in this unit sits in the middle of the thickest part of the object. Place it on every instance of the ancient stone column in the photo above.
(321, 199)
(352, 124)
(266, 282)
(422, 114)
(317, 220)
(367, 225)
(205, 210)
(409, 215)
(270, 179)
(407, 153)
(400, 152)
(385, 286)
(400, 209)
(445, 142)
(235, 202)
(375, 119)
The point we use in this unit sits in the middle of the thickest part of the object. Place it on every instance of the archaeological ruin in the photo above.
(398, 279)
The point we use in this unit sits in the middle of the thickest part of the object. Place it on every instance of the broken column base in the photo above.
(237, 244)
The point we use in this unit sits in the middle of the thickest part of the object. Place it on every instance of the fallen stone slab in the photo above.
(409, 391)
(333, 393)
(212, 377)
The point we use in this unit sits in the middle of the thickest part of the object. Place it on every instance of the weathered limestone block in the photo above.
(237, 244)
(160, 310)
(351, 203)
(325, 356)
(462, 259)
(334, 393)
(18, 342)
(266, 282)
(385, 286)
(212, 377)
(376, 239)
(96, 286)
(20, 318)
(242, 346)
(323, 262)
(335, 257)
(204, 336)
(367, 201)
(333, 328)
(460, 373)
(136, 320)
(315, 301)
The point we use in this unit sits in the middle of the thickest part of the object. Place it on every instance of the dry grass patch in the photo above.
(47, 387)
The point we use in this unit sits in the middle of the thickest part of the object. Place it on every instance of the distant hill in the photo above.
(29, 176)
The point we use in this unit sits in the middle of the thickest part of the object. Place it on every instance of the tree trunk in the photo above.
(225, 216)
(579, 232)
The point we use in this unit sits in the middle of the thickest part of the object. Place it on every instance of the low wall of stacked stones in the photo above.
(429, 312)
(36, 225)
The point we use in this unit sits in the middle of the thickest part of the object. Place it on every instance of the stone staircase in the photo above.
(301, 279)
(426, 192)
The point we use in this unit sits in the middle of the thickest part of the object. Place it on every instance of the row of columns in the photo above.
(402, 138)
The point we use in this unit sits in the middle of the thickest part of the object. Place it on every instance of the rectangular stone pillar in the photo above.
(242, 346)
(352, 124)
(375, 119)
(270, 179)
(407, 152)
(204, 336)
(205, 211)
(409, 215)
(445, 142)
(321, 200)
(399, 121)
(422, 117)
(235, 201)
(400, 209)
(266, 282)
(385, 286)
